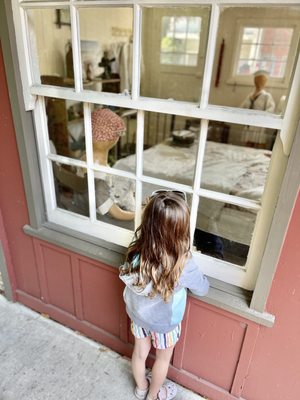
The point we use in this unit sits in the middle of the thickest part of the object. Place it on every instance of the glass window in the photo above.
(65, 127)
(250, 41)
(101, 153)
(106, 48)
(174, 41)
(180, 38)
(52, 62)
(264, 49)
(224, 231)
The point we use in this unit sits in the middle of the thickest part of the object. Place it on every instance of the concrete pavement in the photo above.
(43, 360)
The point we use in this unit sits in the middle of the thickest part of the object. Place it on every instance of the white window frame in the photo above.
(33, 97)
(272, 22)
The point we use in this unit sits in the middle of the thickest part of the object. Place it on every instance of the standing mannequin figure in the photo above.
(107, 127)
(261, 100)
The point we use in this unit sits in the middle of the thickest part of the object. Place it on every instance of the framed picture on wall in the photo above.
(63, 17)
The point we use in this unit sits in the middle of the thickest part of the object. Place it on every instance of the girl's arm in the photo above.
(193, 279)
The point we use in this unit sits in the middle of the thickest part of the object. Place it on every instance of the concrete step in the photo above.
(43, 360)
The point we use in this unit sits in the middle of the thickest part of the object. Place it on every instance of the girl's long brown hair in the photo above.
(162, 244)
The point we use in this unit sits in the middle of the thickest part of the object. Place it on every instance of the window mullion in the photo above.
(291, 115)
(139, 166)
(76, 48)
(22, 39)
(33, 52)
(90, 161)
(198, 173)
(210, 52)
(136, 52)
(44, 150)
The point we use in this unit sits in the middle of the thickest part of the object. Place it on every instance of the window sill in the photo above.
(226, 297)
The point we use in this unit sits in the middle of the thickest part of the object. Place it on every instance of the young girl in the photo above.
(158, 269)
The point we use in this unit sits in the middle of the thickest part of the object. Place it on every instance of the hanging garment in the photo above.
(262, 101)
(126, 67)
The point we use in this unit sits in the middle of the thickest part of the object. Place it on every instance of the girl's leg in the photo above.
(159, 370)
(138, 361)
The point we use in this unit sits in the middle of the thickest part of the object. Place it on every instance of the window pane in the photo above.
(106, 48)
(224, 231)
(114, 134)
(113, 138)
(236, 159)
(52, 57)
(115, 200)
(174, 41)
(282, 36)
(250, 34)
(65, 127)
(149, 188)
(71, 190)
(170, 148)
(250, 39)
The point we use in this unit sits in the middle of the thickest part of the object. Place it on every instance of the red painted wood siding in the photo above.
(275, 371)
(12, 199)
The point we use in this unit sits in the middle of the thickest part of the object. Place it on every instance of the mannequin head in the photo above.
(104, 146)
(260, 79)
(107, 126)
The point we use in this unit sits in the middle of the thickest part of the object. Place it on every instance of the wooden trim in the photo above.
(245, 359)
(72, 322)
(22, 120)
(180, 346)
(136, 52)
(77, 287)
(278, 228)
(211, 112)
(210, 55)
(199, 385)
(6, 263)
(124, 336)
(41, 271)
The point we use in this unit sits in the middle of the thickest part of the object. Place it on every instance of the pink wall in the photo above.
(275, 369)
(12, 199)
(220, 355)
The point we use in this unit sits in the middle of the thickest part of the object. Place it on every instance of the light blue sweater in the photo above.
(153, 313)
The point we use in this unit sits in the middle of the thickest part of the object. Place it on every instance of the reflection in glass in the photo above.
(114, 134)
(174, 43)
(50, 47)
(65, 127)
(71, 190)
(252, 39)
(106, 48)
(224, 231)
(180, 38)
(264, 48)
(115, 199)
(170, 148)
(233, 168)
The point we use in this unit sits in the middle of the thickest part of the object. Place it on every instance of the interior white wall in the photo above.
(171, 81)
(50, 41)
(232, 94)
(96, 24)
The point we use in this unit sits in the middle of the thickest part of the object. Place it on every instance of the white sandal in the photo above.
(169, 390)
(142, 393)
